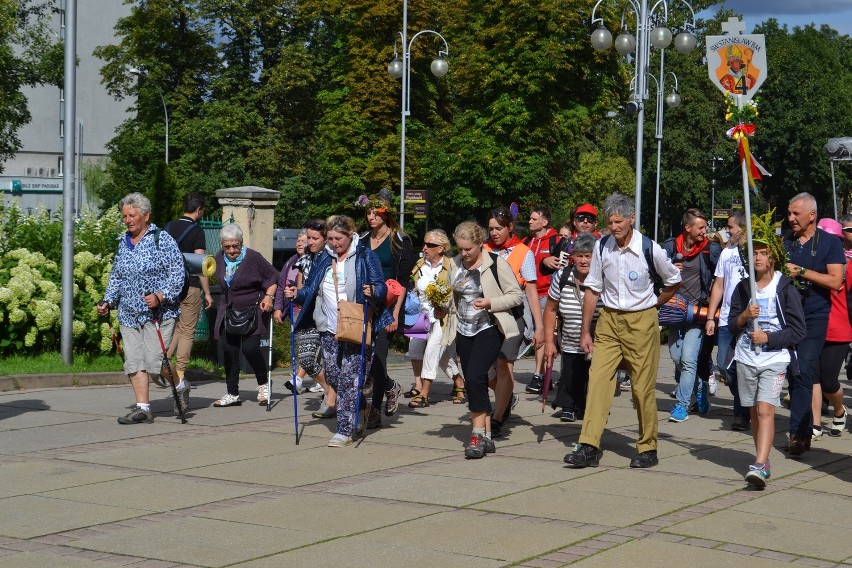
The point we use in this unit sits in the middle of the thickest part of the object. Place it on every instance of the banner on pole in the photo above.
(736, 62)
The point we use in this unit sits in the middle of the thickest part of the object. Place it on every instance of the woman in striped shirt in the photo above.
(565, 300)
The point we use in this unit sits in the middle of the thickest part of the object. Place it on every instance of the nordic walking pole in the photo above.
(269, 368)
(168, 366)
(361, 374)
(293, 367)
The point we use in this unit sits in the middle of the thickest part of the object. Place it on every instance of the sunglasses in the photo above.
(847, 229)
(586, 218)
(431, 245)
(315, 225)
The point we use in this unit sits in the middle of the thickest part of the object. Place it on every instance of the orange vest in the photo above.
(515, 260)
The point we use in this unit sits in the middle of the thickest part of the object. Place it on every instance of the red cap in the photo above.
(587, 208)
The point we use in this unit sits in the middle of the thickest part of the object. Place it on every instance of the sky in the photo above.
(836, 13)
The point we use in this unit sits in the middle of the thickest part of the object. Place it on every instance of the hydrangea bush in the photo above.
(30, 280)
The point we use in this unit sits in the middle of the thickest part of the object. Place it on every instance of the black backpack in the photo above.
(186, 273)
(647, 252)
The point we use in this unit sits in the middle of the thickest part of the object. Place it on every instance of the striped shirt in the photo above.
(570, 300)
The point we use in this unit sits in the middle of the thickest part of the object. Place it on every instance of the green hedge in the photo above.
(31, 280)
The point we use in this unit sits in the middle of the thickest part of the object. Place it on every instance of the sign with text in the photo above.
(31, 185)
(416, 195)
(419, 210)
(736, 62)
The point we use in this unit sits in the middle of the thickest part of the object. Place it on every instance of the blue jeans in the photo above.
(684, 347)
(802, 385)
(723, 334)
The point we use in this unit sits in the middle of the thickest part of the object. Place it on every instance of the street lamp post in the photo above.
(140, 73)
(401, 69)
(650, 31)
(713, 161)
(672, 100)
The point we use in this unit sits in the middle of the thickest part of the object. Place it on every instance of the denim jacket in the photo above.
(367, 270)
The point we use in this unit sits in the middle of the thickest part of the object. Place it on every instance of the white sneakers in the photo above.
(263, 393)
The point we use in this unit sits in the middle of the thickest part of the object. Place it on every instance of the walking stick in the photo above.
(168, 366)
(269, 368)
(361, 374)
(293, 367)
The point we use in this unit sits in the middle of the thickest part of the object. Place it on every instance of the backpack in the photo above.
(186, 272)
(647, 252)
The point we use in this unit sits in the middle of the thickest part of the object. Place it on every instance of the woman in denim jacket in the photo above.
(359, 278)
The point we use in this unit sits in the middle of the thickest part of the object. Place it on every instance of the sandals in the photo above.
(419, 401)
(411, 393)
(459, 395)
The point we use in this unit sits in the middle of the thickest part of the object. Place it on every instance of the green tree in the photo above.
(28, 57)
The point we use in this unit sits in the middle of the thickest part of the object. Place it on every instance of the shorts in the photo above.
(515, 347)
(760, 384)
(142, 349)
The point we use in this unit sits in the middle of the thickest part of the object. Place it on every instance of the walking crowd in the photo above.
(777, 312)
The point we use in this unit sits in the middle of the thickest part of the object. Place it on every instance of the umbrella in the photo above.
(545, 388)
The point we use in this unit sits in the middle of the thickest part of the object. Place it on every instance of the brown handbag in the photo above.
(350, 318)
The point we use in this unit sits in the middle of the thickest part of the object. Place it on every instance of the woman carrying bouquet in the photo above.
(430, 278)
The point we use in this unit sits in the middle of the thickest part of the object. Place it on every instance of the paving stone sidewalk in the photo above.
(232, 488)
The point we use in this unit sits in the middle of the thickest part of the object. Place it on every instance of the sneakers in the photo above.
(512, 404)
(758, 475)
(299, 386)
(741, 424)
(228, 400)
(316, 388)
(136, 416)
(183, 396)
(623, 380)
(645, 460)
(816, 433)
(339, 441)
(584, 455)
(535, 385)
(476, 448)
(392, 402)
(490, 448)
(263, 393)
(679, 414)
(713, 383)
(838, 425)
(325, 411)
(702, 398)
(568, 416)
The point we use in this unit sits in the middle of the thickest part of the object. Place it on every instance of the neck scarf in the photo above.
(231, 265)
(696, 248)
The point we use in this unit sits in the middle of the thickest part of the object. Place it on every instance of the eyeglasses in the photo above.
(847, 229)
(586, 218)
(315, 225)
(431, 245)
(229, 247)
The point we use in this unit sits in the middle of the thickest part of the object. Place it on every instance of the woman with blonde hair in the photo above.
(428, 355)
(345, 271)
(480, 319)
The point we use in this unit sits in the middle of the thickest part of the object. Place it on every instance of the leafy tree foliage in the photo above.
(28, 57)
(295, 96)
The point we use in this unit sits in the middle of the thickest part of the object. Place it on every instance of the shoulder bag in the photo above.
(350, 318)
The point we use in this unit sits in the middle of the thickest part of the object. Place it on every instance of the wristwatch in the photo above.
(270, 296)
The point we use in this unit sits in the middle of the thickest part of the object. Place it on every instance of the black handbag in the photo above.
(241, 322)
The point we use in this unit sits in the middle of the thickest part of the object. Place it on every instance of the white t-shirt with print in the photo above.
(769, 322)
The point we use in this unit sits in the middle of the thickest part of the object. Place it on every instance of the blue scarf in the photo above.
(231, 265)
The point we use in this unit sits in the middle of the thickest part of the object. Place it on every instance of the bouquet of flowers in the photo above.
(438, 293)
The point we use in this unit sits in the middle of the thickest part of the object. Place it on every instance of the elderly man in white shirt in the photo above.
(626, 329)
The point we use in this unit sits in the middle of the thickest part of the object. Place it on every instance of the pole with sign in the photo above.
(736, 64)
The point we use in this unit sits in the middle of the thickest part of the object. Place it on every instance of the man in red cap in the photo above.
(585, 220)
